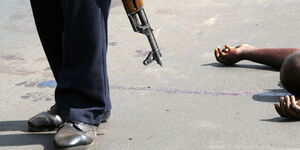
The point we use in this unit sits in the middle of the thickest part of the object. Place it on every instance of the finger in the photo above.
(287, 108)
(220, 52)
(298, 103)
(294, 106)
(225, 50)
(277, 108)
(281, 106)
(216, 54)
(217, 49)
(229, 47)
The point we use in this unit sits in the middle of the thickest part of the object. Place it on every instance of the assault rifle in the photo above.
(140, 24)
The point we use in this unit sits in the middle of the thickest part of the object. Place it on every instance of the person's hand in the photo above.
(288, 107)
(229, 55)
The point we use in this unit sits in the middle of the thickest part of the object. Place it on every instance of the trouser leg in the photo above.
(82, 92)
(49, 22)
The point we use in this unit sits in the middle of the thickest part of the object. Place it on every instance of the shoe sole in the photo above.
(83, 147)
(30, 129)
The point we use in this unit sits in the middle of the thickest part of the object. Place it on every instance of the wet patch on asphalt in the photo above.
(38, 84)
(37, 96)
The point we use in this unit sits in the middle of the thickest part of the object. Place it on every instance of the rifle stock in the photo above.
(132, 5)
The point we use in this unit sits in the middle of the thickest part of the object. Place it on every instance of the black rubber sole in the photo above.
(84, 147)
(31, 129)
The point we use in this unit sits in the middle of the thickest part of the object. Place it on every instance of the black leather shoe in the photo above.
(50, 121)
(75, 135)
(45, 121)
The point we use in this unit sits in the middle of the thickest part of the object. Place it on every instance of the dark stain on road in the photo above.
(12, 57)
(39, 84)
(37, 96)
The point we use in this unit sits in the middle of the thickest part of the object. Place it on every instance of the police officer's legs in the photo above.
(76, 50)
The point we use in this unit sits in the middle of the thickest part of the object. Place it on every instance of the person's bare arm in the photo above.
(272, 57)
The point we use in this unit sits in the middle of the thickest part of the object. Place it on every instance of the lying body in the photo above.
(287, 60)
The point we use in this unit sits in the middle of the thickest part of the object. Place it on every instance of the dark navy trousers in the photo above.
(74, 37)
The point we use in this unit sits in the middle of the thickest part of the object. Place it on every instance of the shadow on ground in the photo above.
(272, 95)
(246, 66)
(24, 138)
(279, 120)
